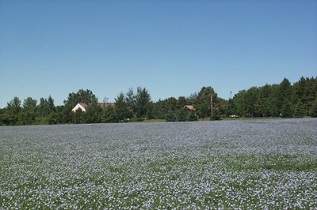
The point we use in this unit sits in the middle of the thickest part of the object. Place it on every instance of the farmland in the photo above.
(226, 164)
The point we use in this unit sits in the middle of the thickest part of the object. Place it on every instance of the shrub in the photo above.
(170, 117)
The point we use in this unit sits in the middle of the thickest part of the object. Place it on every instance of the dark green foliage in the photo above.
(313, 110)
(108, 115)
(46, 106)
(122, 111)
(14, 106)
(29, 114)
(286, 110)
(29, 104)
(142, 102)
(181, 102)
(81, 96)
(13, 115)
(280, 100)
(46, 112)
(192, 116)
(182, 115)
(6, 118)
(202, 101)
(93, 114)
(164, 107)
(131, 100)
(299, 109)
(283, 100)
(78, 117)
(170, 116)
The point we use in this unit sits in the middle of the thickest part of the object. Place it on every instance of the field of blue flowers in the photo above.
(252, 164)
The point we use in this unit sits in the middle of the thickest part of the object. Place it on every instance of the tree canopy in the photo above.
(277, 100)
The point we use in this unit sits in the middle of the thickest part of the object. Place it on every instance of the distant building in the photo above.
(105, 104)
(80, 106)
(190, 108)
(83, 107)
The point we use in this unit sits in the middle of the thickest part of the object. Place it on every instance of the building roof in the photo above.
(190, 107)
(83, 105)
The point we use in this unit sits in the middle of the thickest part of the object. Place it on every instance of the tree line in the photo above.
(278, 100)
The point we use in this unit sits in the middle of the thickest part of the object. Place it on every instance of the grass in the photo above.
(271, 162)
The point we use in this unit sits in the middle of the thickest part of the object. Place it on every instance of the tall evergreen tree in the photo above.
(299, 109)
(142, 102)
(122, 111)
(14, 106)
(313, 110)
(284, 99)
(131, 101)
(29, 111)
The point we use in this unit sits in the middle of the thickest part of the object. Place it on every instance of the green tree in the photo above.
(14, 106)
(182, 115)
(202, 102)
(81, 96)
(122, 111)
(142, 102)
(7, 118)
(192, 116)
(299, 109)
(313, 110)
(131, 101)
(93, 114)
(181, 102)
(286, 109)
(29, 104)
(78, 117)
(29, 111)
(170, 116)
(50, 103)
(109, 115)
(42, 107)
(14, 115)
(284, 99)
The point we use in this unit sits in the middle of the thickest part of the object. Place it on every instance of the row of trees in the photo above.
(134, 106)
(29, 112)
(279, 100)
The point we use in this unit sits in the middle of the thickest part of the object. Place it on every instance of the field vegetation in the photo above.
(247, 164)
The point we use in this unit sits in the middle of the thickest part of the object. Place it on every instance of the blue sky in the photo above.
(172, 47)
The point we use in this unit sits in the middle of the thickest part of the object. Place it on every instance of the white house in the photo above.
(80, 106)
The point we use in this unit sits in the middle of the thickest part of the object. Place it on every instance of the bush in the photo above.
(170, 117)
(182, 115)
(192, 116)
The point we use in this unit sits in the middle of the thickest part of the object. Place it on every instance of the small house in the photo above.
(80, 106)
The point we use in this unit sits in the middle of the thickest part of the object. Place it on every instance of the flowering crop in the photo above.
(226, 164)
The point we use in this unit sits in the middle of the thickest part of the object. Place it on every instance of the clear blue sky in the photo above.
(172, 47)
